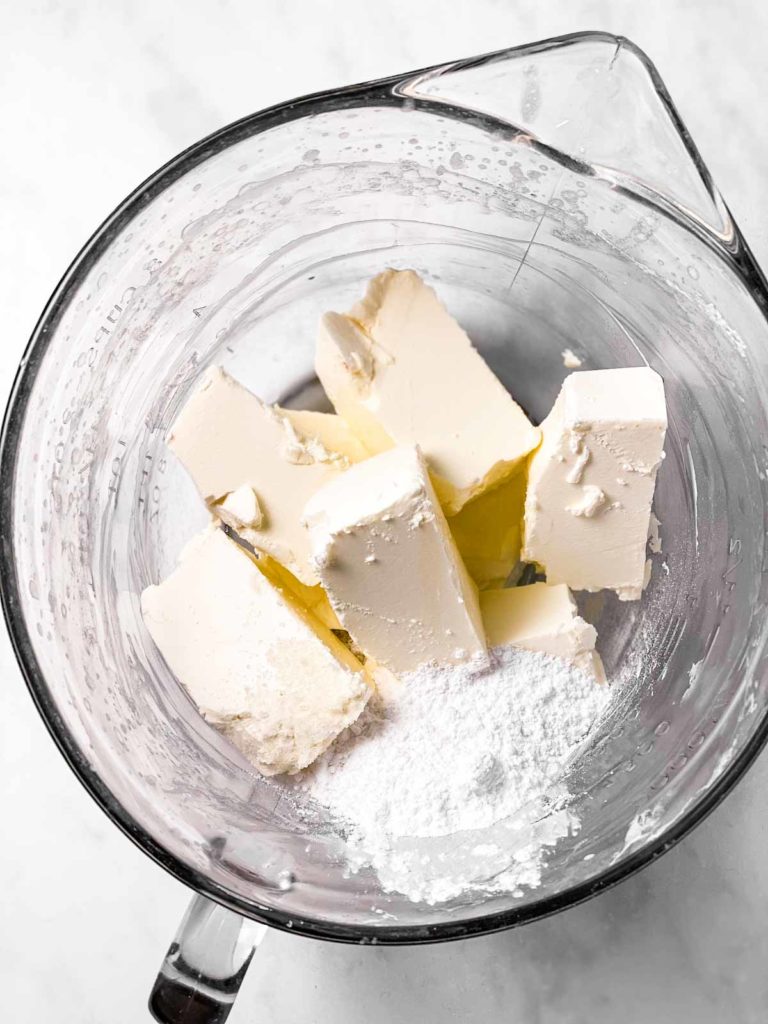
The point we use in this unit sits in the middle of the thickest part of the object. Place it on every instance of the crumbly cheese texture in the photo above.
(240, 510)
(390, 567)
(265, 672)
(488, 531)
(590, 484)
(330, 429)
(544, 618)
(400, 370)
(230, 441)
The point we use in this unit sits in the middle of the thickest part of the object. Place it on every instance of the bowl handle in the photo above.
(205, 965)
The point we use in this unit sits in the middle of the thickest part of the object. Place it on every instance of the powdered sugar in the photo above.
(458, 748)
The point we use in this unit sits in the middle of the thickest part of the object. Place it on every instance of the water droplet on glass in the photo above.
(661, 728)
(285, 880)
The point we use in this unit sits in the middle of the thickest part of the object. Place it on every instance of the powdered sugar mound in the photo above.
(459, 748)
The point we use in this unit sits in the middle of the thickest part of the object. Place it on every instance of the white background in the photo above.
(94, 95)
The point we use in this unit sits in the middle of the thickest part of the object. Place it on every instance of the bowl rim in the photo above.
(382, 91)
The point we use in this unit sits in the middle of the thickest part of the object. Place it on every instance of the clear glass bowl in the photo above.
(556, 201)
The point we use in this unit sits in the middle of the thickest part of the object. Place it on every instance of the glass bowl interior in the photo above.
(230, 257)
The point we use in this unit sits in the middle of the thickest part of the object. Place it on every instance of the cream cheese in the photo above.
(590, 484)
(328, 428)
(260, 668)
(240, 510)
(389, 565)
(400, 370)
(231, 442)
(544, 618)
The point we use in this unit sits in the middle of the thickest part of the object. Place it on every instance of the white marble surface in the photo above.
(93, 97)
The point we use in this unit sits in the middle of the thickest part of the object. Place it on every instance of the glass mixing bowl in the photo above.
(553, 196)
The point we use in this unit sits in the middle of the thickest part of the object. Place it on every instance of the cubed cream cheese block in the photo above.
(266, 672)
(488, 531)
(544, 618)
(231, 443)
(590, 484)
(400, 370)
(389, 564)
